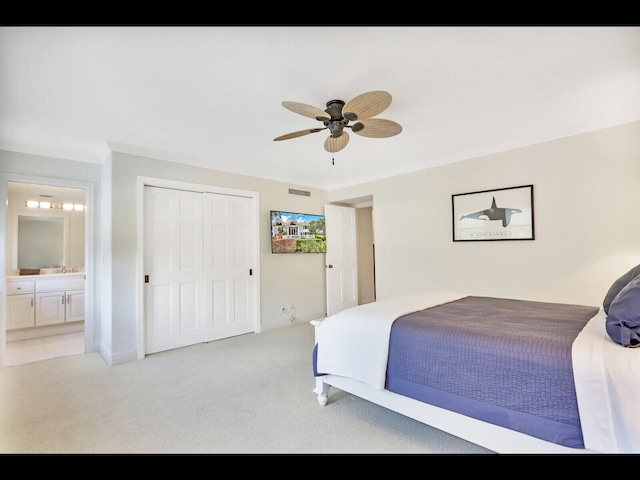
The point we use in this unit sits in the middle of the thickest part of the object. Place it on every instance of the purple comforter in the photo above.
(503, 361)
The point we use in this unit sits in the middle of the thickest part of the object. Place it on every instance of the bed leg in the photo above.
(322, 390)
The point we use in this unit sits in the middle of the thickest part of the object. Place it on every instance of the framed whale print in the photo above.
(500, 214)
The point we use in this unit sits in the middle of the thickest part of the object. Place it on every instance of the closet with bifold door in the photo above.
(199, 267)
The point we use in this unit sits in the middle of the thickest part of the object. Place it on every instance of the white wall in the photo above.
(587, 222)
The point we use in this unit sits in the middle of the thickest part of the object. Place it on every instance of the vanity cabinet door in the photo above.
(20, 311)
(75, 306)
(50, 308)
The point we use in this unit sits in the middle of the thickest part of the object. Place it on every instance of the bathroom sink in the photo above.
(58, 271)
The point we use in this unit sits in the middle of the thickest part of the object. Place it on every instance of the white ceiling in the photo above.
(212, 96)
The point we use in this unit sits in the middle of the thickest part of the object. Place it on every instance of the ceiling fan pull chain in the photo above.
(333, 161)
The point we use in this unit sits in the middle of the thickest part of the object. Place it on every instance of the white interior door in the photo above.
(174, 300)
(341, 257)
(228, 265)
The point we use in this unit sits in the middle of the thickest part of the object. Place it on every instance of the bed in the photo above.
(514, 376)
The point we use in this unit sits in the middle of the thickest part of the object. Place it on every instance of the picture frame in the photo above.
(298, 233)
(490, 215)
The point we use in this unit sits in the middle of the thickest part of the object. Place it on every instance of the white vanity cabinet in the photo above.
(59, 299)
(75, 306)
(44, 300)
(20, 304)
(50, 307)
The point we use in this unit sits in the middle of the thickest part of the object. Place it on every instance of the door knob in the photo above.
(329, 266)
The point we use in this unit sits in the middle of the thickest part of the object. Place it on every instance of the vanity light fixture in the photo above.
(79, 207)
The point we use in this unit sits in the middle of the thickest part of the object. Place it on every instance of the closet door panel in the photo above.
(229, 283)
(174, 300)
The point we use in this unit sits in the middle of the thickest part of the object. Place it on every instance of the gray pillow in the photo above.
(623, 321)
(618, 285)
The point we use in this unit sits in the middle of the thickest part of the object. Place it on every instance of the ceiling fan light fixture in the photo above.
(336, 129)
(338, 114)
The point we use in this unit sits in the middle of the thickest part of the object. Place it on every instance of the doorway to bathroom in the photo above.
(32, 205)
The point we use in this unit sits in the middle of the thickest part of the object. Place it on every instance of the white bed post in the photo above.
(322, 389)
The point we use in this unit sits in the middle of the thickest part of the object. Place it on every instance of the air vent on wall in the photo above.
(293, 191)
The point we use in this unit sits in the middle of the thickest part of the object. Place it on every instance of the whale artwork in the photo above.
(479, 216)
(494, 213)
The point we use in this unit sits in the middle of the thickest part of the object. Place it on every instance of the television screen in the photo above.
(297, 233)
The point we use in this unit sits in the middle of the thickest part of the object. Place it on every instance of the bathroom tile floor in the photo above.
(43, 348)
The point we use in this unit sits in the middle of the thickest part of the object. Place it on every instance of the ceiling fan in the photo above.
(338, 115)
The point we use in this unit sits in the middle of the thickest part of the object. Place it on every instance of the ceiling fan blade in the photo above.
(306, 110)
(377, 128)
(299, 133)
(333, 145)
(366, 105)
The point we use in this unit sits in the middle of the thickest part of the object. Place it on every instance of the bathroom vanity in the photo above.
(42, 305)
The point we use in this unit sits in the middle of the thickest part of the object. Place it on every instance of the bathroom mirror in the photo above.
(44, 237)
(41, 241)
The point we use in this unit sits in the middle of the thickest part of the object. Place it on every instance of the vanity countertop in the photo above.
(43, 276)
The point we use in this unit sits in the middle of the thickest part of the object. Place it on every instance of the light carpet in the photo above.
(250, 394)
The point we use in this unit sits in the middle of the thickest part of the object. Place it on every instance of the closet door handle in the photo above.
(68, 299)
(63, 298)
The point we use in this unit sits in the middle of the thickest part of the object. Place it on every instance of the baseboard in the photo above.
(44, 331)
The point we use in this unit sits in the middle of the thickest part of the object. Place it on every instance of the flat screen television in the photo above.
(293, 232)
